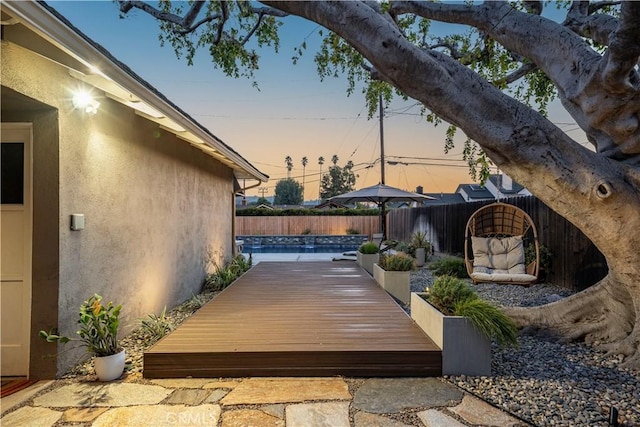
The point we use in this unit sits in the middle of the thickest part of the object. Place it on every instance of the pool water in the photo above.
(298, 249)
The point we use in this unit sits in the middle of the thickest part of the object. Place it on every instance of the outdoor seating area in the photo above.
(496, 236)
(297, 319)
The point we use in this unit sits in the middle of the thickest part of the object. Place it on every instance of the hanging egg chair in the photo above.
(496, 237)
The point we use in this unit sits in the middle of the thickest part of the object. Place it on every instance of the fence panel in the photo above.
(576, 262)
(294, 225)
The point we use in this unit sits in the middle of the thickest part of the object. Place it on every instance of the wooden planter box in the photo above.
(394, 282)
(366, 261)
(465, 350)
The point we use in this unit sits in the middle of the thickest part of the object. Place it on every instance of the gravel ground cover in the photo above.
(544, 382)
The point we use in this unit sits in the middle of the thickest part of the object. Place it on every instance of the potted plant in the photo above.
(99, 334)
(392, 272)
(368, 254)
(462, 325)
(422, 247)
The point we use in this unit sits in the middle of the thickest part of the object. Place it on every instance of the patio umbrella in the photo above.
(381, 194)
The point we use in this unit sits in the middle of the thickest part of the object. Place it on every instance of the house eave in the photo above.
(44, 23)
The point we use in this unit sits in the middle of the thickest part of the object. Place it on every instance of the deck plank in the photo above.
(297, 319)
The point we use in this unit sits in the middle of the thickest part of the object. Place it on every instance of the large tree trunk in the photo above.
(599, 195)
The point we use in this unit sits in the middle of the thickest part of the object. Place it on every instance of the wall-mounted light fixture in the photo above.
(83, 100)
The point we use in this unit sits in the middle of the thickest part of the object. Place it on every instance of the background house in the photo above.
(125, 198)
(497, 186)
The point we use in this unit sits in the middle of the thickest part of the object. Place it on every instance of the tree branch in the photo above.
(624, 51)
(517, 74)
(597, 27)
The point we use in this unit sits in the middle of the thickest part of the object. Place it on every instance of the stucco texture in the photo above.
(153, 204)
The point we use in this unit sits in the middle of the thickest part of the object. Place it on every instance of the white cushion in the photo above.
(501, 277)
(498, 256)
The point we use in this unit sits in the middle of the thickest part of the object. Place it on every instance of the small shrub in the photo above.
(352, 231)
(368, 248)
(447, 291)
(419, 240)
(453, 297)
(224, 275)
(492, 322)
(306, 231)
(195, 302)
(156, 327)
(406, 248)
(449, 266)
(397, 262)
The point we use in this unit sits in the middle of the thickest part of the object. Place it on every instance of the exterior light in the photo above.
(85, 102)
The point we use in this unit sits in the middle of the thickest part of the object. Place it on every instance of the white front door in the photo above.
(15, 248)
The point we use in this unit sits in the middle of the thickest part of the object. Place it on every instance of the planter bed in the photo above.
(465, 350)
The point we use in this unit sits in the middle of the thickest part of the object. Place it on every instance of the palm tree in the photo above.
(304, 167)
(320, 162)
(289, 162)
(334, 159)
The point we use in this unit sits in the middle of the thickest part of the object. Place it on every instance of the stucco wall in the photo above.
(153, 204)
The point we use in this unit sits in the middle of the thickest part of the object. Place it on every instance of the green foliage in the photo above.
(447, 291)
(449, 266)
(546, 256)
(338, 180)
(98, 328)
(368, 248)
(306, 231)
(492, 322)
(227, 48)
(307, 212)
(288, 192)
(419, 240)
(224, 275)
(397, 262)
(406, 248)
(195, 302)
(352, 231)
(156, 327)
(453, 297)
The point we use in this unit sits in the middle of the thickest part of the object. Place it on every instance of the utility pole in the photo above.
(381, 142)
(262, 190)
(382, 207)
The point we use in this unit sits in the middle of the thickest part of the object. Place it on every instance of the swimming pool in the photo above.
(298, 249)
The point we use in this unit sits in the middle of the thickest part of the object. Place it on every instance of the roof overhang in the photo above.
(99, 69)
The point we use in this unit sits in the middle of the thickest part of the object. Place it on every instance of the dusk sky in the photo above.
(292, 114)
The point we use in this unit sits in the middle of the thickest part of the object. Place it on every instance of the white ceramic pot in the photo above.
(109, 368)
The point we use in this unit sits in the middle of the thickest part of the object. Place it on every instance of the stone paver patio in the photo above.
(277, 402)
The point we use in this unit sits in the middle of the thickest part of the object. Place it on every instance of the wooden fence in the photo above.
(293, 225)
(576, 262)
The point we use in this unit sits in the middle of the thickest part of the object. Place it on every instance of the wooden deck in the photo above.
(297, 319)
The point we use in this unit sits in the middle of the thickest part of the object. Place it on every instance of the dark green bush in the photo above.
(492, 322)
(449, 266)
(397, 262)
(306, 212)
(368, 248)
(224, 275)
(447, 291)
(453, 297)
(352, 231)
